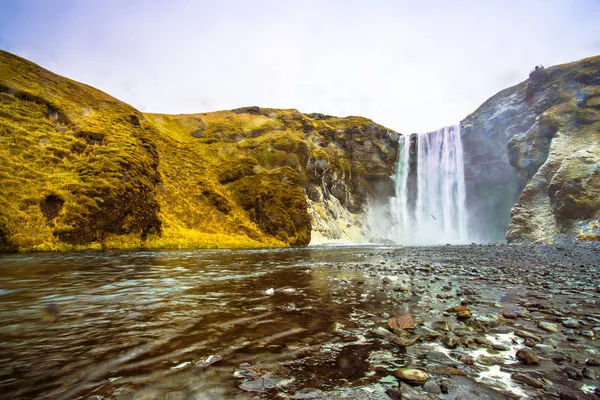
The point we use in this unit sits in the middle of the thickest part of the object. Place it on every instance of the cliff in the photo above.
(80, 169)
(532, 157)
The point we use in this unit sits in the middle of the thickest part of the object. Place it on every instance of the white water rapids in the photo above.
(437, 214)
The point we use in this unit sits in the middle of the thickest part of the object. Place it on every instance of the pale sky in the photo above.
(412, 66)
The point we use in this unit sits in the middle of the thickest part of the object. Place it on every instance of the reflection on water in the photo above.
(165, 324)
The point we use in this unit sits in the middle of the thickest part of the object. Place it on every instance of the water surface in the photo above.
(152, 324)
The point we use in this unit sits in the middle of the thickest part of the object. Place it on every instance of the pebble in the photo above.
(592, 362)
(548, 327)
(440, 358)
(571, 323)
(573, 373)
(589, 373)
(527, 335)
(412, 375)
(587, 333)
(450, 341)
(528, 380)
(445, 386)
(544, 348)
(467, 360)
(441, 326)
(432, 387)
(527, 356)
(404, 321)
(409, 393)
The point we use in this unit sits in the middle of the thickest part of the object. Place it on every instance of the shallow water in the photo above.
(288, 323)
(123, 324)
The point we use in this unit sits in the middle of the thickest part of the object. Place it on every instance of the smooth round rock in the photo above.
(412, 375)
(432, 387)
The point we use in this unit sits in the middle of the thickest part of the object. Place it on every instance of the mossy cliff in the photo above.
(80, 169)
(532, 157)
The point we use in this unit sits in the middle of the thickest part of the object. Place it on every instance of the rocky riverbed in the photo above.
(453, 322)
(356, 322)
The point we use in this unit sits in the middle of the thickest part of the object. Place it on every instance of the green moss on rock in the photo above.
(276, 202)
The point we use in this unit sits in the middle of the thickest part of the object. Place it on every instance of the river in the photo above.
(289, 323)
(120, 323)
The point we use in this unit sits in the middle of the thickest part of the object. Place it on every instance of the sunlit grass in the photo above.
(81, 170)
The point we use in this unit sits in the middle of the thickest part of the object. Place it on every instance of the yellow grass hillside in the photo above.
(81, 170)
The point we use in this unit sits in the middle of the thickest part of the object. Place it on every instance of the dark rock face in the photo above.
(534, 146)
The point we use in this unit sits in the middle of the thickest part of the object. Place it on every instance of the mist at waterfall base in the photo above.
(429, 206)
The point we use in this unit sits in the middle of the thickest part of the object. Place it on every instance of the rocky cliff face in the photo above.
(533, 149)
(80, 169)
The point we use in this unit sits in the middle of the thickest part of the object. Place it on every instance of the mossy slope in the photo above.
(80, 169)
(76, 165)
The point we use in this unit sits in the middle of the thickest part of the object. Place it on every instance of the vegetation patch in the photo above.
(82, 170)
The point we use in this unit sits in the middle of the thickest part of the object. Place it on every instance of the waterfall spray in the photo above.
(438, 213)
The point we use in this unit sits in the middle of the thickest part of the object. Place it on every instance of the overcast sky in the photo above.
(410, 65)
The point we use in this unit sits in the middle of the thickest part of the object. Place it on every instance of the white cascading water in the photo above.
(438, 215)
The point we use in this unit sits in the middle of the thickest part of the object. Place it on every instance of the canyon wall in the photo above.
(532, 157)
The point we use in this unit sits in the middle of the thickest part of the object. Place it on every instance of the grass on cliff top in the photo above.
(69, 154)
(80, 169)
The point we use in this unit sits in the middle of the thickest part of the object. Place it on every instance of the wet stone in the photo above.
(527, 335)
(528, 380)
(573, 373)
(402, 322)
(409, 393)
(450, 341)
(543, 348)
(178, 395)
(527, 356)
(445, 386)
(412, 375)
(548, 327)
(467, 360)
(441, 326)
(440, 358)
(485, 360)
(571, 323)
(255, 385)
(589, 373)
(432, 387)
(587, 333)
(592, 362)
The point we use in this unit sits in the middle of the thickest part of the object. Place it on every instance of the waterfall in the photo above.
(436, 213)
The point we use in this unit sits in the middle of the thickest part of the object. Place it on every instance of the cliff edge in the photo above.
(532, 157)
(80, 169)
